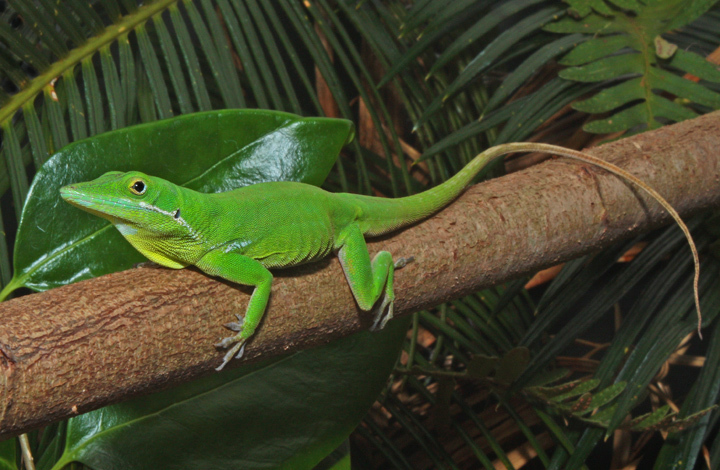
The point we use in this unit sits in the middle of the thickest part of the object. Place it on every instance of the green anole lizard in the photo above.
(239, 234)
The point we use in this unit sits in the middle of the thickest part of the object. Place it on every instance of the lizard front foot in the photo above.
(239, 346)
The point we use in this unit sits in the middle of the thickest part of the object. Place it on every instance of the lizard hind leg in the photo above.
(368, 280)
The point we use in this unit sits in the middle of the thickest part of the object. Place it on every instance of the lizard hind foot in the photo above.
(239, 347)
(235, 326)
(380, 319)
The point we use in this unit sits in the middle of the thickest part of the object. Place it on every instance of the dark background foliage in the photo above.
(429, 84)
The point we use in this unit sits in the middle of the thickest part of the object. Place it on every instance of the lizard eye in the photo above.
(138, 187)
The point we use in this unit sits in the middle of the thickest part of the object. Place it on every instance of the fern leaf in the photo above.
(627, 47)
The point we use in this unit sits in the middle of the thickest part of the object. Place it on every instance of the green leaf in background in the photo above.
(210, 152)
(288, 413)
(342, 464)
(7, 455)
(642, 71)
(482, 62)
(686, 446)
(338, 459)
(582, 8)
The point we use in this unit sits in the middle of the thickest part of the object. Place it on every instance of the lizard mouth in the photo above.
(74, 197)
(111, 208)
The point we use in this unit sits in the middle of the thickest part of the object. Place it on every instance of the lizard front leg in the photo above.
(241, 270)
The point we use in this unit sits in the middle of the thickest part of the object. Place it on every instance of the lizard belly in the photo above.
(294, 247)
(280, 224)
(302, 240)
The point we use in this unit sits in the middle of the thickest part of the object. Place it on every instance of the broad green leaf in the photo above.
(342, 464)
(7, 455)
(286, 413)
(338, 459)
(209, 152)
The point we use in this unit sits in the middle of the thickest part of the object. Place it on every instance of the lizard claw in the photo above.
(235, 326)
(402, 262)
(387, 317)
(238, 349)
(225, 342)
(380, 319)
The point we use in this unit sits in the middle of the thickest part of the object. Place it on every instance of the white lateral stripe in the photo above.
(179, 220)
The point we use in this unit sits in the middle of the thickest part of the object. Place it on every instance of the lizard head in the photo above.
(145, 209)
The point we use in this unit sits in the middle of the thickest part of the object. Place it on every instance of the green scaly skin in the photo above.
(239, 234)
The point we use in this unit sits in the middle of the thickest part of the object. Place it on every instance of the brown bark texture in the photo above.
(86, 345)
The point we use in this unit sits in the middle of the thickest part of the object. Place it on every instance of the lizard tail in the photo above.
(384, 215)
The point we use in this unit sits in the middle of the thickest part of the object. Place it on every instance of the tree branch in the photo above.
(86, 345)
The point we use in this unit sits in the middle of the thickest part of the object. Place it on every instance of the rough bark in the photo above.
(74, 349)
